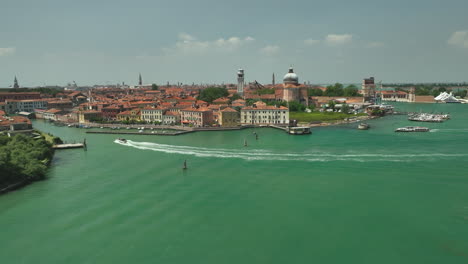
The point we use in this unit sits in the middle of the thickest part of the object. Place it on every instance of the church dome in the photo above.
(291, 77)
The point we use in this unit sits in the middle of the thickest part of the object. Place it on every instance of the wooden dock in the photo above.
(69, 146)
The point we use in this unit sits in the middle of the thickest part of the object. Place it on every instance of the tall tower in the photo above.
(240, 82)
(368, 90)
(273, 79)
(140, 81)
(15, 83)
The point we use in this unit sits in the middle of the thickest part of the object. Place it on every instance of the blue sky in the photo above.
(206, 41)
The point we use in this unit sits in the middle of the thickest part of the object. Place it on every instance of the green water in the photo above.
(339, 195)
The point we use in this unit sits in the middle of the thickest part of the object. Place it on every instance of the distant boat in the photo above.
(122, 140)
(185, 165)
(245, 142)
(363, 126)
(412, 129)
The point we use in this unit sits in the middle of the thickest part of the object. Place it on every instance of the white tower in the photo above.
(240, 82)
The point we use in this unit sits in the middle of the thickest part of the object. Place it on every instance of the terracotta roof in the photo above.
(172, 113)
(53, 111)
(221, 100)
(228, 109)
(267, 107)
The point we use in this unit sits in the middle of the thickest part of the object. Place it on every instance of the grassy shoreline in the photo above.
(23, 160)
(303, 117)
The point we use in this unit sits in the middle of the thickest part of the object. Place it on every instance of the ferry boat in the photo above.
(412, 129)
(299, 130)
(426, 117)
(363, 126)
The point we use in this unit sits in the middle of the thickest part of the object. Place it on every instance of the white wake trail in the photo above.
(259, 154)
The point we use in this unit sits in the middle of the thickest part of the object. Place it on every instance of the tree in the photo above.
(212, 93)
(265, 91)
(295, 106)
(334, 90)
(461, 93)
(154, 87)
(351, 90)
(314, 92)
(331, 104)
(235, 96)
(23, 158)
(345, 108)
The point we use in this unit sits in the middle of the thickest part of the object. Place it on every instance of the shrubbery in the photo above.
(22, 157)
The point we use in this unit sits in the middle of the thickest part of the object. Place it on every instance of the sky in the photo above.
(55, 42)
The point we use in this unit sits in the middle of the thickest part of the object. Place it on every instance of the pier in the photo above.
(69, 146)
(140, 133)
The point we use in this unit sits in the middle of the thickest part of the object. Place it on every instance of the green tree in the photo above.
(295, 106)
(351, 90)
(314, 92)
(345, 108)
(212, 93)
(235, 96)
(154, 87)
(334, 90)
(265, 91)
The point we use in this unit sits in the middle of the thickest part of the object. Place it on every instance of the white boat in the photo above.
(412, 129)
(122, 140)
(363, 126)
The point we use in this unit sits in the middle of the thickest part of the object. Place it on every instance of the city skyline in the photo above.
(58, 42)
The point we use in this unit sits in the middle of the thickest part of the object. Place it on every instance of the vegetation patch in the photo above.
(303, 117)
(23, 158)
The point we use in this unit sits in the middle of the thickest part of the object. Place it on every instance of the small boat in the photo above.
(412, 129)
(69, 125)
(140, 131)
(363, 126)
(128, 127)
(245, 142)
(122, 140)
(184, 167)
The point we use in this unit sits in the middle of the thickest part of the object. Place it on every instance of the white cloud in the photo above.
(189, 44)
(335, 39)
(270, 50)
(7, 51)
(459, 38)
(185, 37)
(311, 41)
(375, 44)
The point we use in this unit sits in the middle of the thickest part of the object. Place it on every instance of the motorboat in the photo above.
(122, 140)
(412, 129)
(363, 126)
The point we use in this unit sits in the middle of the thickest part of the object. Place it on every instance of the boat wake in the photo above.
(259, 154)
(450, 130)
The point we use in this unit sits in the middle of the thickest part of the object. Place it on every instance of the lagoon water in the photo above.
(339, 195)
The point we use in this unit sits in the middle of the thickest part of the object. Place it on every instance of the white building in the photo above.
(152, 114)
(171, 118)
(261, 114)
(14, 106)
